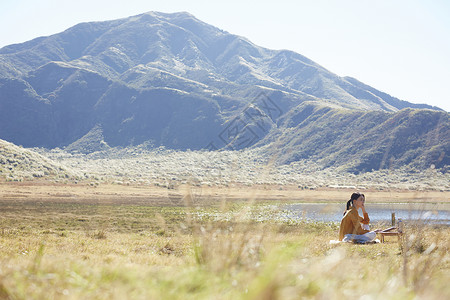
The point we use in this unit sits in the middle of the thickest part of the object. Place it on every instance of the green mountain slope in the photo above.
(355, 140)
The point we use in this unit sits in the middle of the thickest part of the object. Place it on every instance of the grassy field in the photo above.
(139, 242)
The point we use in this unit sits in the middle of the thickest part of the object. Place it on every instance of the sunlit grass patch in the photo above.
(231, 251)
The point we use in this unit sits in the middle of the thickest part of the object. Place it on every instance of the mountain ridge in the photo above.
(98, 38)
(165, 79)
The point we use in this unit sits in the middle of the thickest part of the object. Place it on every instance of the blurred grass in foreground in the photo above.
(127, 251)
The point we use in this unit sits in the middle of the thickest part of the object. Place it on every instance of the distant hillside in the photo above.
(19, 163)
(355, 140)
(172, 80)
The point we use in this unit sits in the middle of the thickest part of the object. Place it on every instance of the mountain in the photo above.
(359, 141)
(173, 80)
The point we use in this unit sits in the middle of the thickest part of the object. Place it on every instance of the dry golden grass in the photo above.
(113, 193)
(118, 242)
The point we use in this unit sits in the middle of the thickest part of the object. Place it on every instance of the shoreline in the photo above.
(150, 194)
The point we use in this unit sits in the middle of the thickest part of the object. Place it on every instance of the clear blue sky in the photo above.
(401, 47)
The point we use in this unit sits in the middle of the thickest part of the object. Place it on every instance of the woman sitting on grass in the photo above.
(351, 229)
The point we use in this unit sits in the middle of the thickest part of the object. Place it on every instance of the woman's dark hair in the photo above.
(353, 197)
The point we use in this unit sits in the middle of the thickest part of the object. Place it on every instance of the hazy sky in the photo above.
(401, 47)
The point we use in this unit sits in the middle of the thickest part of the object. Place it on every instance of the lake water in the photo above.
(378, 212)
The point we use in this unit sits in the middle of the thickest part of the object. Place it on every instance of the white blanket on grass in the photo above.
(366, 238)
